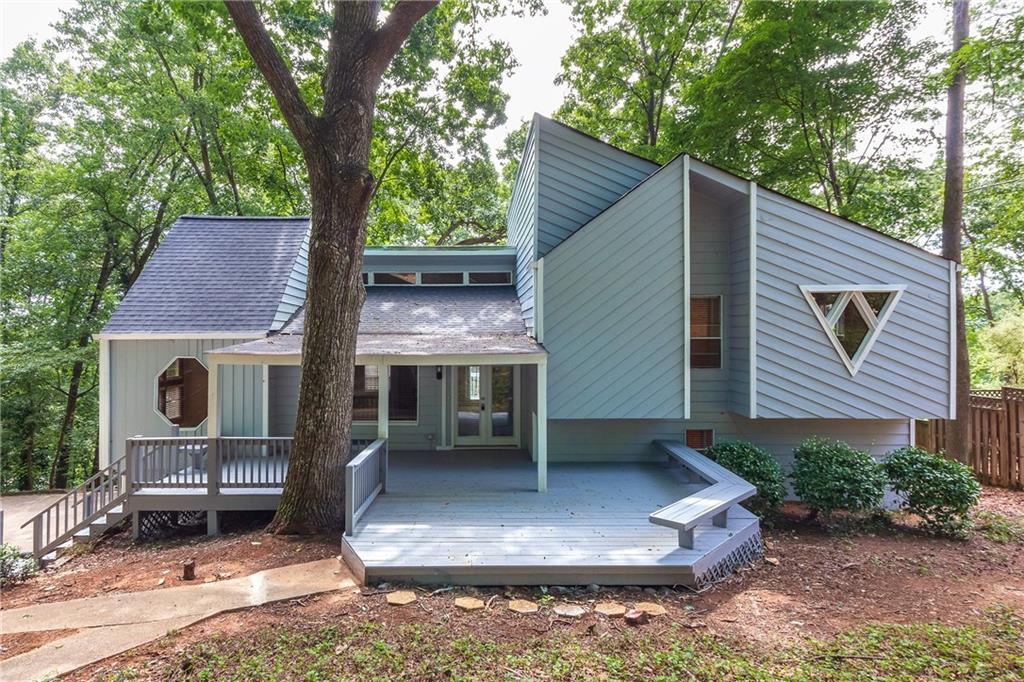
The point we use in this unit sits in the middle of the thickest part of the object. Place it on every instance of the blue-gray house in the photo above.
(638, 314)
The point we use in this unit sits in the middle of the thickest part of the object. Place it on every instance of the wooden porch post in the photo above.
(383, 389)
(542, 425)
(212, 444)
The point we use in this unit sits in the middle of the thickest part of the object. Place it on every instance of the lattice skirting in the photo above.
(156, 524)
(744, 555)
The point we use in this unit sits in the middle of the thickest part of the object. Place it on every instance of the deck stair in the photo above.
(82, 514)
(725, 491)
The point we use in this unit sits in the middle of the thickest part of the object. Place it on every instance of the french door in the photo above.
(486, 405)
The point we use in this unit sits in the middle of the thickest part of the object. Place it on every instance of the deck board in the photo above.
(477, 519)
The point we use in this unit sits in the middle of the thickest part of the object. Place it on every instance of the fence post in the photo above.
(384, 467)
(37, 536)
(350, 509)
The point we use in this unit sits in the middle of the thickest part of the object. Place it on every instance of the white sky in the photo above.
(538, 43)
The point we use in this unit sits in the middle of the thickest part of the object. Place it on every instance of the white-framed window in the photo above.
(403, 394)
(181, 393)
(441, 278)
(705, 332)
(852, 316)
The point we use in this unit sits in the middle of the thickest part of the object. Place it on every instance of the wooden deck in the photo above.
(476, 518)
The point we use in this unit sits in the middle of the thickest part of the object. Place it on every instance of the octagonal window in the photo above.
(181, 393)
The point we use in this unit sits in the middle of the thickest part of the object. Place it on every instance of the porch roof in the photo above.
(284, 346)
(419, 322)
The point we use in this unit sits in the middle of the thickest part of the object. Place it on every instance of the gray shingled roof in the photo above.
(435, 310)
(422, 320)
(213, 274)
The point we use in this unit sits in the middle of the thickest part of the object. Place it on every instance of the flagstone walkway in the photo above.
(110, 624)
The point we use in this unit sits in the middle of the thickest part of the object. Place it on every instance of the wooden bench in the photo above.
(725, 490)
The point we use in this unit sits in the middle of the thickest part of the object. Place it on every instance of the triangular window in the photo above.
(852, 317)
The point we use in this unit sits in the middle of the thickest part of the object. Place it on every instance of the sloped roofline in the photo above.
(853, 223)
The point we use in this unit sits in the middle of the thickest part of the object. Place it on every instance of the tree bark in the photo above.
(952, 219)
(336, 149)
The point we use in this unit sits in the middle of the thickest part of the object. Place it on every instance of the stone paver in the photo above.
(612, 609)
(651, 609)
(401, 597)
(118, 622)
(469, 603)
(569, 610)
(522, 606)
(17, 510)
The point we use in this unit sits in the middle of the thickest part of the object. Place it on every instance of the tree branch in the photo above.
(389, 38)
(279, 77)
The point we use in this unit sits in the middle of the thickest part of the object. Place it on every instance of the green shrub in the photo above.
(14, 566)
(939, 490)
(758, 468)
(830, 475)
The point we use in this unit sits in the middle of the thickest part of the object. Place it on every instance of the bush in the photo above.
(758, 468)
(830, 475)
(14, 566)
(939, 490)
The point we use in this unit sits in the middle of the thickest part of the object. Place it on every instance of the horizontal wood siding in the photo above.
(614, 309)
(134, 366)
(423, 435)
(522, 224)
(799, 373)
(578, 177)
(630, 440)
(737, 316)
(295, 287)
(710, 242)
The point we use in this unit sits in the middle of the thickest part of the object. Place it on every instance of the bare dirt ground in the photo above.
(815, 583)
(117, 564)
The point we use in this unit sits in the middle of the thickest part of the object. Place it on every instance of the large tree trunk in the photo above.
(952, 219)
(336, 147)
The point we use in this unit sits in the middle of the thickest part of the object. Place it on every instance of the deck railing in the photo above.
(366, 476)
(253, 462)
(175, 462)
(79, 507)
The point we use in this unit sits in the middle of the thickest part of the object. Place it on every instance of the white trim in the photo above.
(753, 300)
(442, 441)
(383, 403)
(530, 358)
(371, 277)
(213, 399)
(265, 397)
(912, 432)
(156, 394)
(538, 300)
(686, 286)
(439, 251)
(104, 371)
(542, 426)
(161, 336)
(853, 294)
(954, 268)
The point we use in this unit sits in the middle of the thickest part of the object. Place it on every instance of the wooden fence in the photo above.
(995, 434)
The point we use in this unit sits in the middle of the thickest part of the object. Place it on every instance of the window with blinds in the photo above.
(402, 394)
(181, 392)
(706, 332)
(700, 439)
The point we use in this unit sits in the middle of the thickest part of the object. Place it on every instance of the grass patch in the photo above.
(998, 528)
(989, 650)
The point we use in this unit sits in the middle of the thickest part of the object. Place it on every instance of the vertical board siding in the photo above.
(134, 367)
(799, 374)
(423, 435)
(294, 295)
(521, 224)
(578, 177)
(613, 299)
